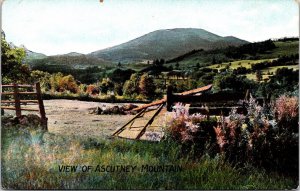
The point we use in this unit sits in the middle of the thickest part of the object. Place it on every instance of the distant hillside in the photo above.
(73, 54)
(165, 44)
(30, 55)
(252, 51)
(78, 61)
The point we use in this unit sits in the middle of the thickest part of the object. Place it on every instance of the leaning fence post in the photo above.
(41, 106)
(169, 98)
(17, 100)
(247, 95)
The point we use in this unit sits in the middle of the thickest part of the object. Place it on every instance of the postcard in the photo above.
(149, 95)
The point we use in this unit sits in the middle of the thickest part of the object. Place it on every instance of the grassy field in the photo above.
(204, 59)
(272, 70)
(239, 63)
(31, 159)
(283, 48)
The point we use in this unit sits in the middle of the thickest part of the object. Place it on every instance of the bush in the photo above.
(68, 83)
(131, 86)
(92, 90)
(147, 86)
(192, 131)
(272, 144)
(266, 137)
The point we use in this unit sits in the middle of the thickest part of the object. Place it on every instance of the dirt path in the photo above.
(71, 117)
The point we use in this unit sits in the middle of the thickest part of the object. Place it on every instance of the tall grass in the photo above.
(30, 160)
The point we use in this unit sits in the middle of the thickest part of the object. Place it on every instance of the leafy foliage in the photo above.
(120, 76)
(12, 66)
(147, 86)
(106, 85)
(228, 80)
(285, 81)
(130, 87)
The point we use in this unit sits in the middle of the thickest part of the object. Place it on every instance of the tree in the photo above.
(147, 86)
(54, 81)
(231, 81)
(13, 70)
(119, 65)
(106, 85)
(161, 62)
(120, 76)
(213, 60)
(130, 87)
(285, 81)
(258, 75)
(177, 65)
(197, 66)
(68, 83)
(118, 89)
(43, 78)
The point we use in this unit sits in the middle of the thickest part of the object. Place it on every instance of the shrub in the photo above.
(92, 90)
(272, 144)
(68, 83)
(131, 86)
(147, 86)
(106, 85)
(266, 137)
(286, 108)
(193, 131)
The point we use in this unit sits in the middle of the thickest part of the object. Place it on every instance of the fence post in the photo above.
(41, 106)
(247, 95)
(169, 98)
(17, 100)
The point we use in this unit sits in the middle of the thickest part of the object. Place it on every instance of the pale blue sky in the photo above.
(62, 26)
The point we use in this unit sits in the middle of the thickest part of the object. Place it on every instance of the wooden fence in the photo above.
(211, 104)
(17, 102)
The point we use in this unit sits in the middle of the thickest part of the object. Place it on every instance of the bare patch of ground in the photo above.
(71, 117)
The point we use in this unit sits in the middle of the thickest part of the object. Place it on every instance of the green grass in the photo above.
(205, 58)
(136, 66)
(30, 160)
(283, 48)
(272, 70)
(239, 63)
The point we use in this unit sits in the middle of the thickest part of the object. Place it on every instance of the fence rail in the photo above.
(229, 101)
(17, 102)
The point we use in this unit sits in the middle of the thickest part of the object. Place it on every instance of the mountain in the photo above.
(79, 61)
(74, 54)
(166, 44)
(30, 55)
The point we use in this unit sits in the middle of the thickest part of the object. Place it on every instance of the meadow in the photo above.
(238, 63)
(31, 159)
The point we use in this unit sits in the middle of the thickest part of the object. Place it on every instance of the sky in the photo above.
(62, 26)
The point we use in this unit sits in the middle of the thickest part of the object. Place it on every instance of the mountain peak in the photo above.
(74, 54)
(165, 43)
